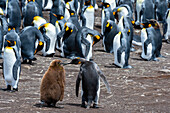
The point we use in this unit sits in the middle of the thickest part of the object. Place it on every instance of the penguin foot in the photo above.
(15, 89)
(34, 59)
(24, 62)
(8, 88)
(50, 55)
(155, 59)
(83, 105)
(128, 67)
(95, 106)
(87, 107)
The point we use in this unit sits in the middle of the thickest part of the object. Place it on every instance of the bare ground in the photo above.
(144, 88)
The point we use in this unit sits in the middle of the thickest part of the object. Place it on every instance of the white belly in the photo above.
(168, 28)
(49, 4)
(89, 15)
(8, 63)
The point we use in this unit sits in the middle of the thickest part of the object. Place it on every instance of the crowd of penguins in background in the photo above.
(71, 32)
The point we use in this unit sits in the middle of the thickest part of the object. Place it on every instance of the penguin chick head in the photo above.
(1, 11)
(56, 64)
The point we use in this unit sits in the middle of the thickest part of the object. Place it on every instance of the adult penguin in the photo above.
(85, 39)
(125, 23)
(68, 35)
(48, 31)
(167, 26)
(14, 14)
(12, 60)
(28, 37)
(161, 8)
(110, 31)
(106, 15)
(89, 77)
(128, 2)
(138, 12)
(151, 39)
(87, 15)
(38, 21)
(148, 11)
(73, 4)
(53, 84)
(30, 11)
(111, 2)
(58, 8)
(121, 49)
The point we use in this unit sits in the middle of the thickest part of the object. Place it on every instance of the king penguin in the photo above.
(14, 14)
(28, 37)
(128, 2)
(12, 60)
(87, 15)
(111, 2)
(48, 31)
(89, 77)
(68, 35)
(121, 49)
(30, 11)
(167, 26)
(38, 21)
(85, 39)
(110, 31)
(151, 39)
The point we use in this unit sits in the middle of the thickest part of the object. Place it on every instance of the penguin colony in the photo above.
(71, 32)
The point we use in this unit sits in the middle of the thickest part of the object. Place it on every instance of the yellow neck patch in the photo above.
(9, 47)
(98, 37)
(40, 43)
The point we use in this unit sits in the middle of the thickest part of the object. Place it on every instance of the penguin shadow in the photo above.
(73, 104)
(40, 105)
(99, 50)
(112, 65)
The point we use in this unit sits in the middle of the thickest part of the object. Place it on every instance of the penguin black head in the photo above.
(105, 4)
(42, 29)
(10, 43)
(109, 26)
(68, 28)
(96, 39)
(87, 2)
(59, 17)
(11, 28)
(72, 13)
(146, 25)
(154, 23)
(31, 1)
(40, 47)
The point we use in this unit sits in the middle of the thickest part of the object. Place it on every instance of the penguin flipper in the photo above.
(103, 77)
(146, 43)
(47, 40)
(87, 43)
(78, 82)
(119, 53)
(15, 69)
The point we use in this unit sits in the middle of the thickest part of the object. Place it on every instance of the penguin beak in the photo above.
(114, 13)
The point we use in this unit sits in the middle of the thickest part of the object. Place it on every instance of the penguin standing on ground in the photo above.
(110, 31)
(68, 35)
(167, 26)
(87, 15)
(161, 8)
(48, 31)
(85, 39)
(89, 76)
(28, 37)
(121, 48)
(148, 11)
(30, 11)
(57, 9)
(151, 39)
(12, 60)
(138, 12)
(14, 15)
(53, 84)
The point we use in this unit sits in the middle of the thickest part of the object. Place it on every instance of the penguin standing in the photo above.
(48, 31)
(89, 76)
(161, 8)
(58, 8)
(110, 31)
(53, 84)
(121, 49)
(85, 39)
(87, 15)
(138, 12)
(30, 11)
(12, 62)
(14, 14)
(68, 35)
(151, 39)
(28, 37)
(167, 26)
(47, 4)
